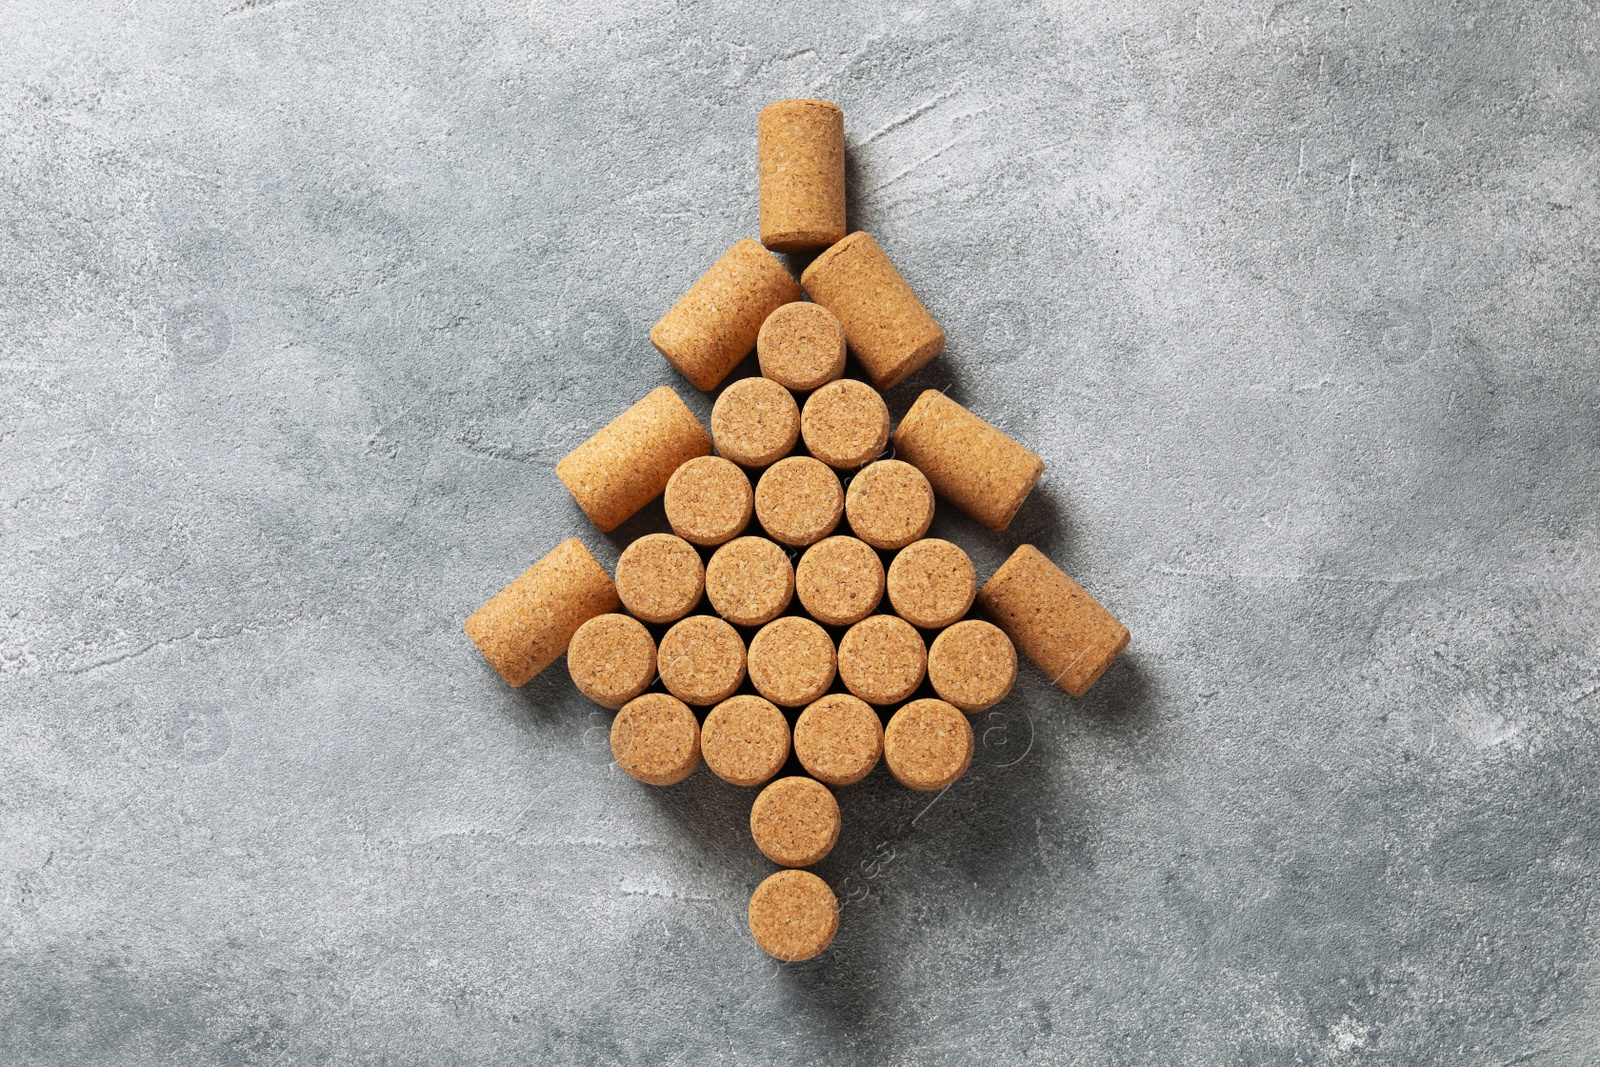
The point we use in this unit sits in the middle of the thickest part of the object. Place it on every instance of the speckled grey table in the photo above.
(301, 300)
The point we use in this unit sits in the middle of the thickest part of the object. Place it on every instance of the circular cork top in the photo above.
(656, 740)
(881, 659)
(927, 745)
(801, 347)
(708, 500)
(799, 500)
(838, 739)
(612, 659)
(749, 581)
(701, 660)
(755, 422)
(745, 740)
(793, 916)
(972, 665)
(660, 578)
(795, 821)
(889, 504)
(845, 423)
(839, 580)
(931, 583)
(791, 661)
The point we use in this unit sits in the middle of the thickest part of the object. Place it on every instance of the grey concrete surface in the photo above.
(301, 301)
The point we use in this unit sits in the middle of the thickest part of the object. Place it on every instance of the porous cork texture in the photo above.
(792, 661)
(889, 504)
(793, 916)
(701, 660)
(528, 624)
(714, 325)
(972, 665)
(931, 583)
(928, 745)
(612, 659)
(627, 464)
(838, 739)
(795, 821)
(976, 467)
(845, 424)
(749, 581)
(660, 578)
(801, 346)
(799, 501)
(708, 501)
(1064, 630)
(755, 422)
(882, 659)
(839, 580)
(800, 162)
(885, 324)
(655, 739)
(745, 740)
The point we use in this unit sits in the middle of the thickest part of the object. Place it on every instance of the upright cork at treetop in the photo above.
(800, 157)
(885, 325)
(715, 324)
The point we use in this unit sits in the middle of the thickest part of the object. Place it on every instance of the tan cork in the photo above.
(715, 324)
(839, 581)
(745, 740)
(626, 465)
(749, 581)
(885, 324)
(800, 160)
(928, 745)
(612, 659)
(968, 462)
(655, 739)
(795, 821)
(799, 501)
(972, 665)
(889, 504)
(701, 660)
(1063, 629)
(660, 578)
(838, 739)
(528, 624)
(931, 583)
(755, 422)
(793, 916)
(791, 661)
(882, 659)
(845, 424)
(801, 346)
(708, 501)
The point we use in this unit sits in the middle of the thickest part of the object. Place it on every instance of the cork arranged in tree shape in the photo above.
(740, 670)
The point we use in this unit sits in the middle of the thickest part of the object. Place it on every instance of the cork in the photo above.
(839, 581)
(968, 462)
(793, 916)
(927, 745)
(626, 465)
(838, 739)
(799, 501)
(800, 160)
(972, 665)
(791, 661)
(660, 578)
(749, 581)
(701, 660)
(931, 583)
(612, 659)
(882, 659)
(845, 424)
(1060, 627)
(801, 346)
(755, 422)
(714, 325)
(745, 740)
(889, 504)
(528, 624)
(708, 501)
(795, 821)
(885, 324)
(656, 740)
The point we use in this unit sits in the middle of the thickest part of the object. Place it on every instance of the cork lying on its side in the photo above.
(708, 501)
(793, 916)
(612, 659)
(749, 581)
(626, 465)
(885, 324)
(800, 161)
(791, 661)
(528, 624)
(656, 740)
(701, 660)
(972, 665)
(889, 504)
(845, 424)
(1060, 627)
(799, 501)
(745, 740)
(839, 581)
(801, 346)
(968, 462)
(928, 745)
(838, 739)
(755, 422)
(660, 578)
(931, 583)
(715, 324)
(882, 659)
(795, 821)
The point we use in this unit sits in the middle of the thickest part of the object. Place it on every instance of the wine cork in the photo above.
(799, 501)
(612, 659)
(528, 624)
(801, 346)
(972, 665)
(749, 581)
(845, 424)
(928, 745)
(931, 583)
(968, 462)
(795, 821)
(626, 465)
(889, 504)
(791, 661)
(745, 740)
(800, 153)
(839, 581)
(1060, 627)
(715, 324)
(655, 739)
(755, 422)
(660, 578)
(882, 659)
(708, 501)
(885, 324)
(701, 660)
(838, 739)
(793, 916)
